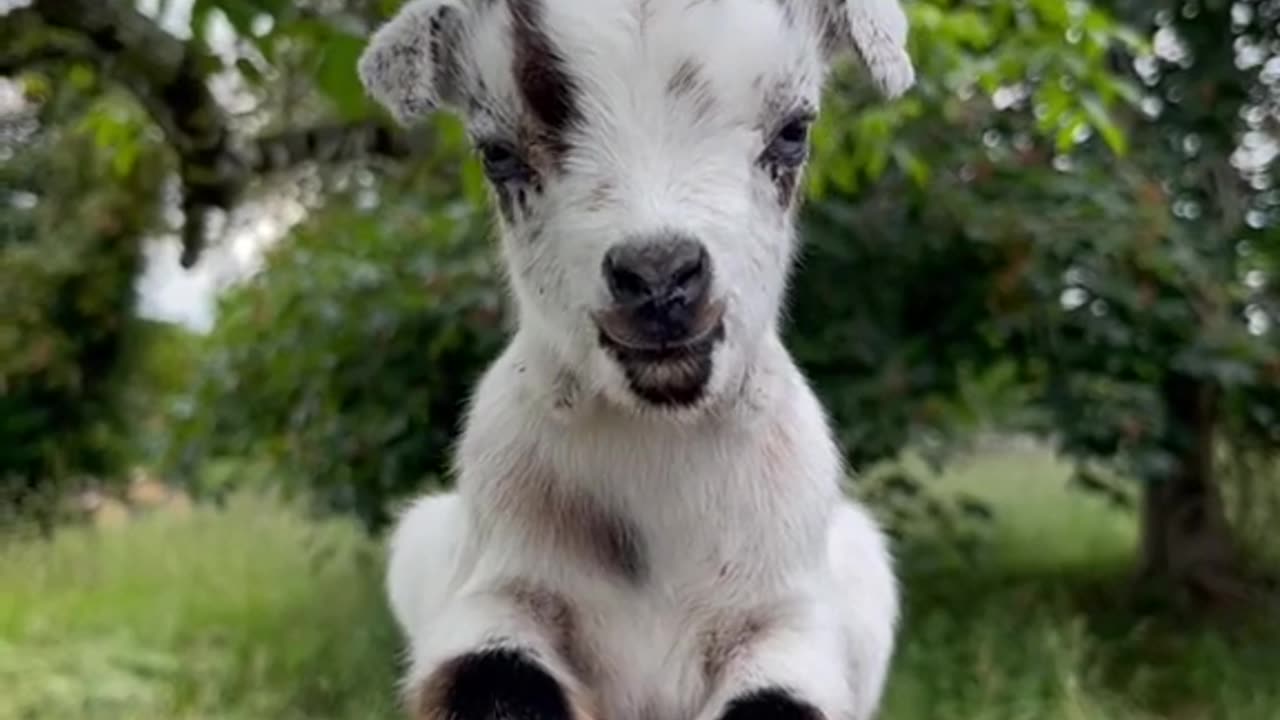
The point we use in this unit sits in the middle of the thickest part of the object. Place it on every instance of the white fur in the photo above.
(408, 85)
(879, 33)
(736, 498)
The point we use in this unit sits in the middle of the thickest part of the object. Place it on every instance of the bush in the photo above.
(349, 360)
(75, 202)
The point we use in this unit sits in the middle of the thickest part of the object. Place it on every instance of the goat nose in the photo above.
(669, 270)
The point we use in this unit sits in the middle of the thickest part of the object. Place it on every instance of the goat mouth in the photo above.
(620, 337)
(670, 374)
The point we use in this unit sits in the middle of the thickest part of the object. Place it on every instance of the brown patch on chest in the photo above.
(558, 618)
(575, 524)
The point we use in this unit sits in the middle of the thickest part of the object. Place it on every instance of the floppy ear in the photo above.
(877, 30)
(415, 63)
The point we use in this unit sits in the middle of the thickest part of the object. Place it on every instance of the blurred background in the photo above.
(240, 313)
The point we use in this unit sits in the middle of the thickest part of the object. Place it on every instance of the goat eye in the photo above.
(791, 143)
(502, 163)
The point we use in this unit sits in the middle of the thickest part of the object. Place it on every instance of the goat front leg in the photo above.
(828, 657)
(488, 657)
(791, 671)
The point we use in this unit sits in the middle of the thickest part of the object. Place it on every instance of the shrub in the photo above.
(348, 361)
(75, 202)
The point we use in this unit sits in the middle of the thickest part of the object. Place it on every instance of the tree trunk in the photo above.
(1187, 543)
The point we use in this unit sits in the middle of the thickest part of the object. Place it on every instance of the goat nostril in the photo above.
(627, 284)
(689, 273)
(691, 281)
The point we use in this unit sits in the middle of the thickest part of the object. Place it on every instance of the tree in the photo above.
(76, 198)
(348, 362)
(1064, 250)
(1052, 217)
(297, 73)
(119, 113)
(1214, 312)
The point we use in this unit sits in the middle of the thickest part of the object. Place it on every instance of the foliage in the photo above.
(902, 211)
(159, 366)
(75, 202)
(269, 112)
(1094, 243)
(350, 358)
(1069, 224)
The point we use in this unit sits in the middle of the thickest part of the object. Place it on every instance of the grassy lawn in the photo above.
(253, 612)
(1039, 628)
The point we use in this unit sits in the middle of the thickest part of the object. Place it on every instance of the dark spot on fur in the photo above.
(685, 79)
(770, 704)
(834, 28)
(514, 200)
(687, 84)
(788, 12)
(728, 637)
(785, 179)
(567, 389)
(506, 197)
(446, 39)
(493, 684)
(541, 74)
(399, 57)
(479, 99)
(553, 613)
(601, 195)
(575, 523)
(620, 545)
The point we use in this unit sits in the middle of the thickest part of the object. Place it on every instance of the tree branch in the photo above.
(169, 78)
(330, 144)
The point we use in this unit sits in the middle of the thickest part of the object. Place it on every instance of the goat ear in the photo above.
(877, 29)
(414, 64)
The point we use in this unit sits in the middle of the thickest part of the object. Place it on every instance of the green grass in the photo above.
(251, 612)
(1042, 626)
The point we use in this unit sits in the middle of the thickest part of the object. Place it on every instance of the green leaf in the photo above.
(1105, 125)
(337, 76)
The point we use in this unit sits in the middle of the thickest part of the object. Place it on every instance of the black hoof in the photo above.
(502, 684)
(770, 704)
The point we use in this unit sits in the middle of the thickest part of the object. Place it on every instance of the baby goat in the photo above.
(648, 523)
